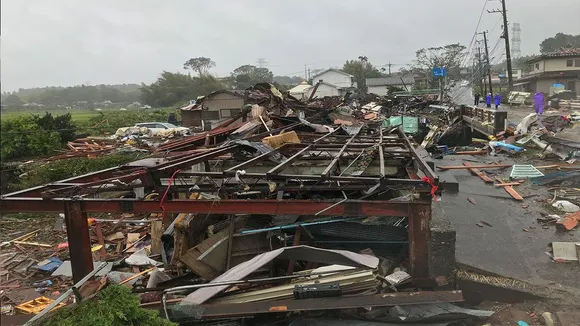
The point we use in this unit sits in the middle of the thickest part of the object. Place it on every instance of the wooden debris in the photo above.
(471, 200)
(43, 245)
(487, 166)
(25, 236)
(509, 189)
(156, 233)
(477, 172)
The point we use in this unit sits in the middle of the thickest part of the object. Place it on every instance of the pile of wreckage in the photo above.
(291, 212)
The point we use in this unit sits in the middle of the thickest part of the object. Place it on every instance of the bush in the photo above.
(23, 137)
(39, 174)
(115, 305)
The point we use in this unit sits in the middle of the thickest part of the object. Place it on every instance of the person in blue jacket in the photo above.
(488, 100)
(497, 100)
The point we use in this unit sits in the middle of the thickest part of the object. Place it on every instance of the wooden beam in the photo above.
(487, 166)
(477, 172)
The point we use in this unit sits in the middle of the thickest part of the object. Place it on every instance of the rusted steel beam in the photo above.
(275, 170)
(420, 163)
(332, 164)
(419, 235)
(225, 206)
(77, 231)
(229, 310)
(190, 161)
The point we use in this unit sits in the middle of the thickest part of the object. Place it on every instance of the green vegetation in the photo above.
(108, 122)
(114, 306)
(37, 174)
(361, 69)
(34, 135)
(83, 96)
(559, 41)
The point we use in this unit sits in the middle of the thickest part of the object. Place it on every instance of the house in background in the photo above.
(332, 82)
(209, 110)
(556, 68)
(380, 86)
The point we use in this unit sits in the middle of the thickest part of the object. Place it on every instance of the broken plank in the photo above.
(509, 189)
(477, 172)
(156, 233)
(486, 166)
(507, 184)
(101, 241)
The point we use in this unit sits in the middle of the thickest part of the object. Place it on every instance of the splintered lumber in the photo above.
(25, 236)
(477, 172)
(486, 166)
(509, 189)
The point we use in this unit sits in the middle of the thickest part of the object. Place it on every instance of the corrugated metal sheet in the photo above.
(359, 231)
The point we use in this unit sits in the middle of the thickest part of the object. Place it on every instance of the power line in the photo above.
(477, 26)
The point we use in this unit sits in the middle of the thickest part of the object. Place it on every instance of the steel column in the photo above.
(419, 235)
(77, 231)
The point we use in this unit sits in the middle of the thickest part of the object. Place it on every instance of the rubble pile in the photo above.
(287, 210)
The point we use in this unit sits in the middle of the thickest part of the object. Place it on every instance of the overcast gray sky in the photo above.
(69, 42)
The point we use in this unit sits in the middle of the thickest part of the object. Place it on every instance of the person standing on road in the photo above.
(497, 100)
(477, 97)
(488, 100)
(539, 103)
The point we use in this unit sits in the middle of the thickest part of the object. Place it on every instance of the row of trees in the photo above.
(175, 88)
(70, 96)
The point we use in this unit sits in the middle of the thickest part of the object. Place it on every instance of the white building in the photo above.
(381, 85)
(333, 82)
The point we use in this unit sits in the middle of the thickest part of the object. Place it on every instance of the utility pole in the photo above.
(479, 72)
(305, 73)
(487, 60)
(505, 36)
(389, 67)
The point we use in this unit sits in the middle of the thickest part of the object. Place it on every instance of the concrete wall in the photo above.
(383, 90)
(537, 67)
(559, 64)
(324, 90)
(334, 78)
(555, 64)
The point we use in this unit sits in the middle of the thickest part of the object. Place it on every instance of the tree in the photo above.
(62, 124)
(361, 69)
(448, 56)
(201, 65)
(247, 75)
(559, 41)
(12, 101)
(172, 88)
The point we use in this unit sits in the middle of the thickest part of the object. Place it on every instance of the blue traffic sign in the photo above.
(439, 71)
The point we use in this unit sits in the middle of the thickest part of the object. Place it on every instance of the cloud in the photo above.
(68, 42)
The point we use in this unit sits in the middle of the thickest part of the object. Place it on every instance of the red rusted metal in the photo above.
(419, 234)
(77, 231)
(224, 206)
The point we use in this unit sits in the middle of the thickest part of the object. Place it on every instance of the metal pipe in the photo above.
(65, 295)
(258, 280)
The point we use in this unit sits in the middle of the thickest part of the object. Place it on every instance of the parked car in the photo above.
(464, 83)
